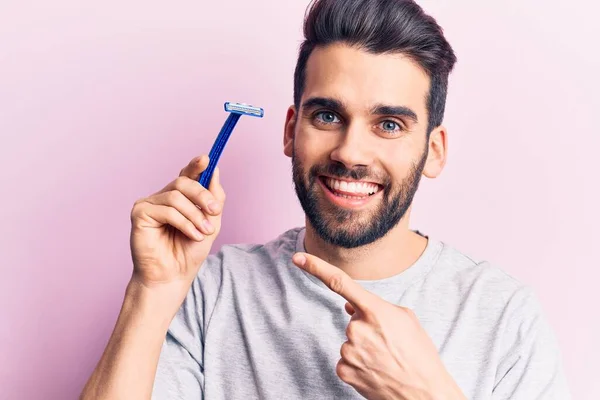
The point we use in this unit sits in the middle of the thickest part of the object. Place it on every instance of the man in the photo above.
(355, 304)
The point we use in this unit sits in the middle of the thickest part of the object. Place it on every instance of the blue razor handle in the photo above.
(236, 110)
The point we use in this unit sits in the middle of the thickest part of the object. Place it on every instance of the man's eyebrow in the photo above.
(400, 111)
(324, 102)
(380, 109)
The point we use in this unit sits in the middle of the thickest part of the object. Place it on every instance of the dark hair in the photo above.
(381, 26)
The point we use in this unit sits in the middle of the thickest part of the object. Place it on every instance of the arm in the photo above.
(171, 236)
(128, 365)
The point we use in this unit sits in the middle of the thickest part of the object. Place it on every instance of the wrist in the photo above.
(156, 304)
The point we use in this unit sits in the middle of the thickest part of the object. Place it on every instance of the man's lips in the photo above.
(348, 187)
(351, 196)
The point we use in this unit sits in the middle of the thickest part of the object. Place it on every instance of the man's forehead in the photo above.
(362, 79)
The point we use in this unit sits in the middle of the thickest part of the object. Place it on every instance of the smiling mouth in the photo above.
(354, 190)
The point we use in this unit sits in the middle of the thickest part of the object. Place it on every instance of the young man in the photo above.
(355, 304)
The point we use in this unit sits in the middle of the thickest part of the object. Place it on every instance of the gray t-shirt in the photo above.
(255, 326)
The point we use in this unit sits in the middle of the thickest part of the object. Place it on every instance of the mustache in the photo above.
(339, 170)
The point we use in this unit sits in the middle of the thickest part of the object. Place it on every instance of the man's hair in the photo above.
(379, 27)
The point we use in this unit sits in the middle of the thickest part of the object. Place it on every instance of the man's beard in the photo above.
(349, 228)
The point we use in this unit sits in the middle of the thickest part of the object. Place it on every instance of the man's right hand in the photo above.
(168, 250)
(172, 231)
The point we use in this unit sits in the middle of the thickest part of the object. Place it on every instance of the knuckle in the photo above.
(174, 196)
(179, 182)
(137, 208)
(342, 371)
(134, 214)
(336, 283)
(351, 331)
(345, 351)
(140, 202)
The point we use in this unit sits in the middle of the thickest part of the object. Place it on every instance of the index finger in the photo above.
(336, 280)
(196, 166)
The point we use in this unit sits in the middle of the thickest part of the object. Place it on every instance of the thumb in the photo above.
(349, 309)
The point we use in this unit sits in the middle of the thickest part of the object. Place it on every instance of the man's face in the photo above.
(358, 142)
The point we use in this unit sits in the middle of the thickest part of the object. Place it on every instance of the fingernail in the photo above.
(207, 225)
(213, 206)
(299, 259)
(199, 235)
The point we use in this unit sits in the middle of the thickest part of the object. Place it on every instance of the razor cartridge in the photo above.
(235, 110)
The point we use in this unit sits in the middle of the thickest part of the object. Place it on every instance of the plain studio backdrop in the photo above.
(103, 103)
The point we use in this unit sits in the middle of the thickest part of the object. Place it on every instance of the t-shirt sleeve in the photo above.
(532, 368)
(180, 371)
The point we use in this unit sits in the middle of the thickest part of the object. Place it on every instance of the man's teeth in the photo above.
(352, 187)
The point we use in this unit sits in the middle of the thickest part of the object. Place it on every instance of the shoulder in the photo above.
(484, 284)
(508, 313)
(492, 303)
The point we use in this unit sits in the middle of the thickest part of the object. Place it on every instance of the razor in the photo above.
(235, 110)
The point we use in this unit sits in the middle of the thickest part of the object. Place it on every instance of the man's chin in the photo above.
(346, 240)
(347, 234)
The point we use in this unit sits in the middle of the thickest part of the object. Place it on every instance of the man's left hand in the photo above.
(388, 354)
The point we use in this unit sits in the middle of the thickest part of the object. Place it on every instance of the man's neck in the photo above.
(388, 256)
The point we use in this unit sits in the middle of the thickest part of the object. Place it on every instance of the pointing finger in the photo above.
(336, 280)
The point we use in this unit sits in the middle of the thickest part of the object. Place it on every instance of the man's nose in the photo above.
(353, 148)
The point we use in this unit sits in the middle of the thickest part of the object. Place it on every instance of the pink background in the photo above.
(101, 104)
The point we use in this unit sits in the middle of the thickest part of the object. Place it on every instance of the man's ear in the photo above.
(289, 131)
(438, 152)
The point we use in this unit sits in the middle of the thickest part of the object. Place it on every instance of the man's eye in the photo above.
(327, 117)
(390, 126)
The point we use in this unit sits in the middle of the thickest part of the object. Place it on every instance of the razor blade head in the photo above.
(244, 109)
